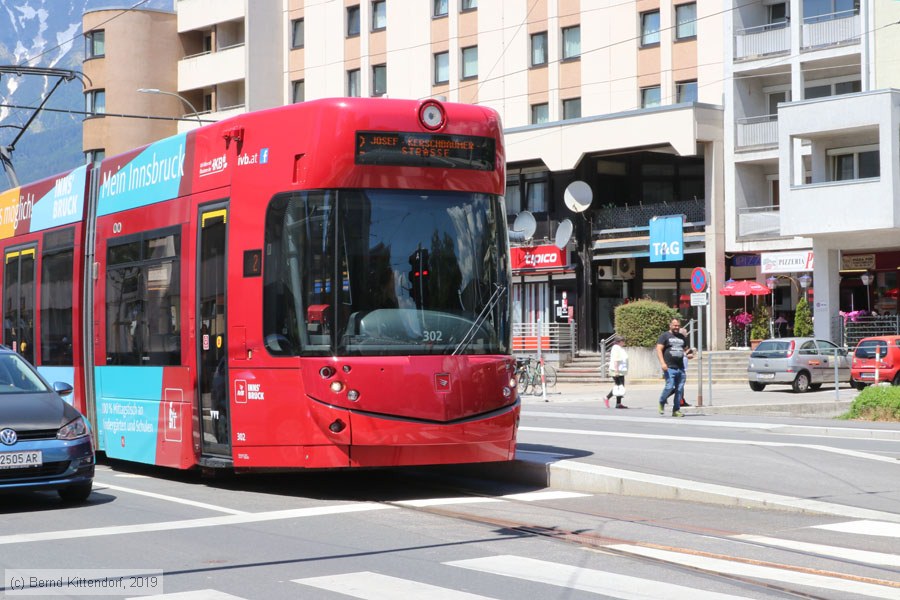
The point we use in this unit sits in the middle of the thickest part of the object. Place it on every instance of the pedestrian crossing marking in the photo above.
(719, 565)
(864, 527)
(863, 556)
(547, 495)
(523, 497)
(624, 587)
(375, 586)
(195, 595)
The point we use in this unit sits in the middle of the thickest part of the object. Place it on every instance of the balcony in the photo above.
(757, 222)
(756, 132)
(628, 218)
(209, 69)
(830, 30)
(763, 40)
(820, 31)
(858, 201)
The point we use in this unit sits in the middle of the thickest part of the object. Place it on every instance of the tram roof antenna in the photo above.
(20, 70)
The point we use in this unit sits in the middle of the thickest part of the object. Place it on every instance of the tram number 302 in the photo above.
(432, 336)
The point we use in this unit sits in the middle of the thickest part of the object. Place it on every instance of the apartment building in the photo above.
(625, 97)
(117, 44)
(812, 157)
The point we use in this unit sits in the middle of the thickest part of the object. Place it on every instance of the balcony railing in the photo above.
(763, 40)
(638, 215)
(759, 222)
(756, 131)
(830, 30)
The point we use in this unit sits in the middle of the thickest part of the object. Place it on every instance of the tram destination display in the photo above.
(425, 150)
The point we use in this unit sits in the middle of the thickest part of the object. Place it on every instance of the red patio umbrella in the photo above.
(744, 287)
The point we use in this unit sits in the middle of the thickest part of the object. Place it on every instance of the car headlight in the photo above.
(73, 430)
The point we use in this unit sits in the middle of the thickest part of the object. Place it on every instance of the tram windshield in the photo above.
(385, 272)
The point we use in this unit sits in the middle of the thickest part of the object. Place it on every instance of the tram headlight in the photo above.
(507, 392)
(353, 395)
(512, 382)
(326, 372)
(337, 386)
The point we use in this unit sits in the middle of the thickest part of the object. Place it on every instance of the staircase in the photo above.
(728, 366)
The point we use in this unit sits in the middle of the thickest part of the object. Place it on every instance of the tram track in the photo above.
(615, 546)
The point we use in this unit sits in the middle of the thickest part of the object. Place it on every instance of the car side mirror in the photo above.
(62, 388)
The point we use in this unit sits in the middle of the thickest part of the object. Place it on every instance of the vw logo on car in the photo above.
(8, 436)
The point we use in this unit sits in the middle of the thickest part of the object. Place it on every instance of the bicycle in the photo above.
(528, 375)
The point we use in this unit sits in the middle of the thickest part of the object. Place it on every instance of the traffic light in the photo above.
(418, 277)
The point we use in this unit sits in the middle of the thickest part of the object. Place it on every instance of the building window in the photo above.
(650, 28)
(861, 162)
(298, 91)
(379, 80)
(539, 49)
(297, 33)
(440, 8)
(353, 21)
(540, 113)
(571, 108)
(353, 83)
(777, 13)
(831, 89)
(379, 15)
(571, 42)
(685, 21)
(95, 44)
(536, 195)
(95, 102)
(470, 62)
(468, 5)
(441, 68)
(513, 197)
(686, 91)
(94, 157)
(650, 96)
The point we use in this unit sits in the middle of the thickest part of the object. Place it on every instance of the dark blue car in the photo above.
(45, 444)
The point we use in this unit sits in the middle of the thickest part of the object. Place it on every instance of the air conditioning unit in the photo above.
(604, 273)
(623, 268)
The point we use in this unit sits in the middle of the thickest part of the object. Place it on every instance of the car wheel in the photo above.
(756, 386)
(75, 493)
(896, 380)
(801, 383)
(815, 386)
(857, 385)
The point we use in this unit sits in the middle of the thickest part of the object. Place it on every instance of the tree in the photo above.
(803, 325)
(759, 328)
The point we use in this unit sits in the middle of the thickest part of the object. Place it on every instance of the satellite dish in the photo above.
(525, 224)
(578, 196)
(563, 234)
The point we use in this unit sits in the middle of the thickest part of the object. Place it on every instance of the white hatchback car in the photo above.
(801, 362)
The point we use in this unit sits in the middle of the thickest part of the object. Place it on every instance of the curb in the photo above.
(794, 409)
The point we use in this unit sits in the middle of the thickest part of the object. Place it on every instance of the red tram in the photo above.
(320, 285)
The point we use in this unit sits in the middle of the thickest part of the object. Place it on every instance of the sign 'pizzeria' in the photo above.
(787, 262)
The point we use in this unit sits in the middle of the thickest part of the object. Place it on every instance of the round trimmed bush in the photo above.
(642, 322)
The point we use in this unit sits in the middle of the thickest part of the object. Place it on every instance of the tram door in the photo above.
(18, 301)
(212, 364)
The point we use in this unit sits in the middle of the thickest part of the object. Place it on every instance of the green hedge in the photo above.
(876, 403)
(642, 322)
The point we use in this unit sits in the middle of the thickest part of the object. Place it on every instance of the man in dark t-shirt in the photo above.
(670, 350)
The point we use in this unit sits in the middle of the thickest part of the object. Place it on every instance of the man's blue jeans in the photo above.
(674, 381)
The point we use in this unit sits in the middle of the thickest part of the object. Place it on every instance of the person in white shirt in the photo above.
(618, 367)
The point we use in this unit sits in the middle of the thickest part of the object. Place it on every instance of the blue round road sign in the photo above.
(699, 280)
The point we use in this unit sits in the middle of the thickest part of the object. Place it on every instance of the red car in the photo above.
(876, 359)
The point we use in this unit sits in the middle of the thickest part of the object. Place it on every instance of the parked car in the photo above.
(887, 348)
(801, 362)
(45, 444)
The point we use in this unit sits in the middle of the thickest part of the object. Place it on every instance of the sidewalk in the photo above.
(721, 399)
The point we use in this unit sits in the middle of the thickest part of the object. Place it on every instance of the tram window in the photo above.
(143, 302)
(56, 307)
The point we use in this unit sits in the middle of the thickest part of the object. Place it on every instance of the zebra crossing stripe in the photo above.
(195, 595)
(863, 556)
(864, 527)
(718, 565)
(524, 497)
(624, 587)
(375, 586)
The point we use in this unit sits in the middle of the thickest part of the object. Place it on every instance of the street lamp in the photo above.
(179, 96)
(771, 282)
(805, 280)
(867, 278)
